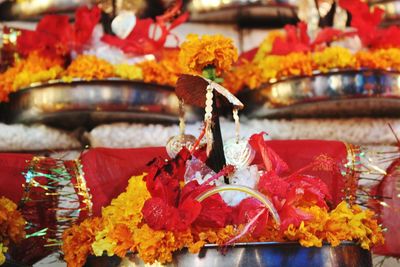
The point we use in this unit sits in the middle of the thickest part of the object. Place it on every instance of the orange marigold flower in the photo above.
(209, 50)
(88, 67)
(34, 68)
(164, 72)
(379, 59)
(247, 75)
(77, 241)
(12, 226)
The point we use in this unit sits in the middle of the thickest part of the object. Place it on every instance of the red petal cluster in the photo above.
(55, 36)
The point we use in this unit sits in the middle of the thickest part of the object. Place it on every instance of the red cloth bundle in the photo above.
(106, 173)
(386, 203)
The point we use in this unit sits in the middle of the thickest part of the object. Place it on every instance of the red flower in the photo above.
(296, 40)
(141, 40)
(54, 36)
(85, 21)
(364, 20)
(214, 213)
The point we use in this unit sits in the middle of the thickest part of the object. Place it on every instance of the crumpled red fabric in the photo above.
(388, 191)
(271, 160)
(296, 40)
(55, 36)
(85, 21)
(142, 40)
(367, 22)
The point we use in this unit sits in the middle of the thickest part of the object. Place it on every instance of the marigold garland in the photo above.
(164, 72)
(88, 67)
(34, 68)
(209, 50)
(129, 72)
(12, 226)
(121, 229)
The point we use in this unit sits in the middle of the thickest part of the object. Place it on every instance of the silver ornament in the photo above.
(176, 143)
(238, 153)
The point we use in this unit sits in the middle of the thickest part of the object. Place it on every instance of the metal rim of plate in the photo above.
(271, 254)
(33, 9)
(88, 103)
(247, 13)
(341, 93)
(392, 11)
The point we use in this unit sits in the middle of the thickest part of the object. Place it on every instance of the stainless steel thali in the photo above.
(334, 94)
(244, 12)
(82, 103)
(271, 254)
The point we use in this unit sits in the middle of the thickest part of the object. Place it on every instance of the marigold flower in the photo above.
(12, 226)
(198, 53)
(34, 68)
(77, 241)
(129, 72)
(3, 249)
(333, 58)
(247, 75)
(164, 72)
(88, 67)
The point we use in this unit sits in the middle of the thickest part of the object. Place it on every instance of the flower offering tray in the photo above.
(83, 103)
(271, 254)
(334, 94)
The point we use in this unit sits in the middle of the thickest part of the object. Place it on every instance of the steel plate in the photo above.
(392, 11)
(29, 9)
(335, 94)
(82, 103)
(269, 254)
(270, 14)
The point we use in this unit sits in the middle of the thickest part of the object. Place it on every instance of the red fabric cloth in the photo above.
(299, 153)
(389, 215)
(12, 166)
(107, 171)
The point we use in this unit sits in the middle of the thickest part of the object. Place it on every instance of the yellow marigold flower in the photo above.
(88, 67)
(209, 50)
(129, 72)
(3, 250)
(333, 58)
(134, 197)
(103, 243)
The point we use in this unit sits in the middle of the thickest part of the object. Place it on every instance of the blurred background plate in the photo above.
(334, 94)
(246, 13)
(392, 11)
(271, 254)
(82, 103)
(32, 9)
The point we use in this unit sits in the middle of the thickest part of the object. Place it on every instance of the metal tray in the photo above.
(257, 13)
(32, 9)
(334, 94)
(392, 11)
(83, 103)
(271, 254)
